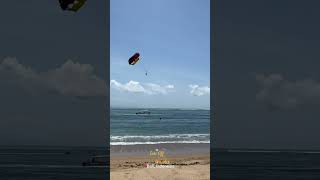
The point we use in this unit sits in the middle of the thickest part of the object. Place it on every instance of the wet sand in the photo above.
(181, 161)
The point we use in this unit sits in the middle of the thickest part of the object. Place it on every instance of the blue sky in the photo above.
(173, 39)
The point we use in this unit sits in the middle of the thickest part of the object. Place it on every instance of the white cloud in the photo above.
(197, 90)
(76, 80)
(157, 89)
(170, 86)
(137, 87)
(131, 86)
(11, 64)
(278, 92)
(71, 79)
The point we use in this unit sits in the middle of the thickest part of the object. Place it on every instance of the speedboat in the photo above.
(143, 112)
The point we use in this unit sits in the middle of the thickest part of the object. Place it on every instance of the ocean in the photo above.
(155, 126)
(44, 163)
(175, 126)
(265, 165)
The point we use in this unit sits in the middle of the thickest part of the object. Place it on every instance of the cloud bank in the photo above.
(197, 90)
(277, 92)
(71, 79)
(137, 87)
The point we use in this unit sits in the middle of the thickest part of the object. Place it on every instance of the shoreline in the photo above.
(174, 149)
(188, 161)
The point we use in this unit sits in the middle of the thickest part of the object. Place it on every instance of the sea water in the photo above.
(44, 163)
(128, 127)
(265, 164)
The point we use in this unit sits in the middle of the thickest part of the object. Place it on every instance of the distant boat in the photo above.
(96, 161)
(143, 112)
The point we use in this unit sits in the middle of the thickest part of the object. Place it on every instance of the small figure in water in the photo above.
(146, 73)
(160, 118)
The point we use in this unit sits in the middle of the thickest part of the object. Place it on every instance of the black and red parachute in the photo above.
(71, 5)
(134, 59)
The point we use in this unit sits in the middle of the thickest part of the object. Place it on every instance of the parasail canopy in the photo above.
(134, 59)
(71, 5)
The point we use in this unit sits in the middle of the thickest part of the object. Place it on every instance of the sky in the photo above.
(267, 78)
(52, 69)
(173, 39)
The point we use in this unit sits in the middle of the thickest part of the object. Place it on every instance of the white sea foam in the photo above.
(159, 139)
(160, 142)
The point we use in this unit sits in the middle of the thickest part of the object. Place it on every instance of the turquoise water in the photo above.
(160, 126)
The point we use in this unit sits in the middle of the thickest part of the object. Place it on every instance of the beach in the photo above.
(161, 144)
(178, 161)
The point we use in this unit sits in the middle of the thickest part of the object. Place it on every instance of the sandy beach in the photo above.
(160, 161)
